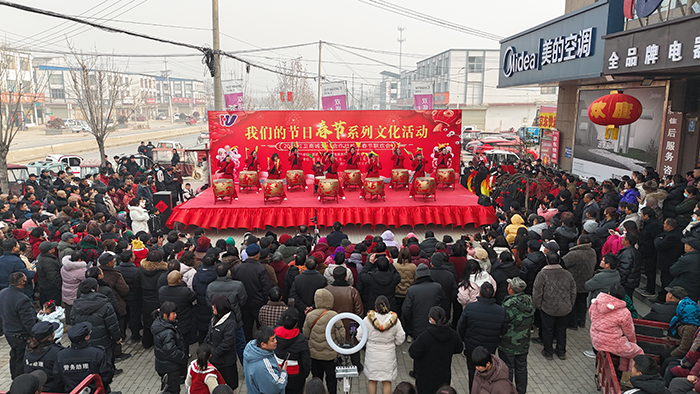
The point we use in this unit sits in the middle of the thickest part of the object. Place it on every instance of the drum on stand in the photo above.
(374, 187)
(328, 189)
(249, 180)
(399, 177)
(273, 188)
(425, 186)
(446, 177)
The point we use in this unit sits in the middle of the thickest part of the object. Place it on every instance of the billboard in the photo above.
(334, 96)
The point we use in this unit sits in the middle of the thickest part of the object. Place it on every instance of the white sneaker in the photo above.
(285, 199)
(236, 198)
(343, 197)
(409, 339)
(360, 197)
(319, 198)
(589, 353)
(410, 196)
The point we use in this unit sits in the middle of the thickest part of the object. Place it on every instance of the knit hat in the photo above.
(590, 226)
(284, 238)
(105, 258)
(264, 253)
(203, 242)
(414, 249)
(437, 260)
(252, 250)
(88, 285)
(411, 235)
(28, 383)
(19, 234)
(230, 241)
(422, 271)
(323, 240)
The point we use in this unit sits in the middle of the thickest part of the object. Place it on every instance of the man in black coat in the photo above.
(651, 228)
(305, 286)
(81, 359)
(423, 294)
(48, 268)
(428, 244)
(205, 275)
(378, 277)
(446, 279)
(183, 297)
(532, 265)
(257, 285)
(675, 196)
(130, 273)
(665, 312)
(610, 199)
(481, 324)
(336, 235)
(18, 318)
(669, 249)
(233, 290)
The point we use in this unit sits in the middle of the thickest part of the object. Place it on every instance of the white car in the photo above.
(73, 125)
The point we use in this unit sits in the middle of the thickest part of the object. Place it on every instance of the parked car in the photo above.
(73, 125)
(85, 126)
(502, 156)
(170, 145)
(162, 117)
(16, 176)
(203, 138)
(36, 167)
(73, 162)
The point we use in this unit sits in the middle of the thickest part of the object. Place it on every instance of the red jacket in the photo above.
(397, 160)
(252, 163)
(197, 377)
(295, 161)
(373, 169)
(351, 160)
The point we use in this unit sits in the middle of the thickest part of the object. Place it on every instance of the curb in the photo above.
(40, 153)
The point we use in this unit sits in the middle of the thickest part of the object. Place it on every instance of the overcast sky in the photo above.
(262, 24)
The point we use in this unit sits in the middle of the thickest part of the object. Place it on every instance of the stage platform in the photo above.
(457, 207)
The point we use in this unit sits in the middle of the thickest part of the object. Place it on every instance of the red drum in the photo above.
(425, 186)
(374, 187)
(295, 178)
(399, 177)
(446, 177)
(249, 179)
(352, 178)
(328, 189)
(223, 188)
(273, 188)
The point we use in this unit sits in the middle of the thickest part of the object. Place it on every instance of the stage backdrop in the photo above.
(231, 132)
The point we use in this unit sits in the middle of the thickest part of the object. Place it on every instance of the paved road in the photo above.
(186, 140)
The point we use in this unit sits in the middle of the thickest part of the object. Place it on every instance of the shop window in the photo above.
(548, 90)
(475, 64)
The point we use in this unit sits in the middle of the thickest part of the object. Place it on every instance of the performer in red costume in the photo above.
(330, 167)
(227, 169)
(274, 170)
(443, 157)
(419, 170)
(295, 159)
(373, 166)
(251, 162)
(351, 158)
(397, 158)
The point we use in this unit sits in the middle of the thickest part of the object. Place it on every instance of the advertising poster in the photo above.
(233, 94)
(423, 95)
(636, 145)
(334, 96)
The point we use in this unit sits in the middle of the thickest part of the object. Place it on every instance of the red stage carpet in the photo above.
(453, 207)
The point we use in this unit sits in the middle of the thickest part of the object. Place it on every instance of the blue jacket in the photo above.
(9, 263)
(262, 373)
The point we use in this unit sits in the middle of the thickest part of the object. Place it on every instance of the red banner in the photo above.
(232, 132)
(181, 100)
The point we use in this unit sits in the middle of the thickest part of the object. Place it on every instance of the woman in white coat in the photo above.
(138, 215)
(385, 333)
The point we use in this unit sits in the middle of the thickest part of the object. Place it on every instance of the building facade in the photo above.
(17, 91)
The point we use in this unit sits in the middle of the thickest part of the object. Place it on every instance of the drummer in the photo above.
(373, 166)
(295, 159)
(419, 170)
(397, 158)
(227, 169)
(351, 158)
(330, 167)
(251, 162)
(274, 169)
(444, 158)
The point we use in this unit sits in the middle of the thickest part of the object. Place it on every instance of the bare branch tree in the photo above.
(303, 94)
(97, 86)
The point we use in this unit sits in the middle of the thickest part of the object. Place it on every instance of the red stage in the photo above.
(457, 207)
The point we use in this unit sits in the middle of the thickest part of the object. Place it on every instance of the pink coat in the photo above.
(468, 294)
(613, 244)
(612, 329)
(72, 273)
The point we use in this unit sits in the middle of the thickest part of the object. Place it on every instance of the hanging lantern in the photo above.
(615, 109)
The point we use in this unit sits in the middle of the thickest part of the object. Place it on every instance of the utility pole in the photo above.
(166, 74)
(353, 92)
(400, 40)
(218, 96)
(320, 43)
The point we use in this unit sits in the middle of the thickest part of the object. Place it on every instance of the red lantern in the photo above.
(615, 109)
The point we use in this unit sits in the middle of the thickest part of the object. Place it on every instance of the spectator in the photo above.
(67, 245)
(336, 236)
(481, 324)
(686, 271)
(262, 373)
(150, 271)
(138, 214)
(70, 369)
(630, 263)
(18, 319)
(492, 373)
(235, 291)
(183, 297)
(222, 338)
(442, 275)
(41, 354)
(292, 343)
(271, 312)
(432, 353)
(645, 376)
(514, 345)
(503, 270)
(407, 272)
(322, 355)
(580, 262)
(130, 273)
(338, 261)
(651, 229)
(669, 248)
(532, 265)
(428, 245)
(605, 277)
(169, 347)
(684, 325)
(304, 288)
(420, 298)
(554, 295)
(666, 311)
(612, 329)
(280, 268)
(516, 222)
(378, 277)
(202, 376)
(114, 279)
(72, 273)
(345, 297)
(566, 234)
(10, 262)
(474, 276)
(685, 208)
(206, 274)
(254, 278)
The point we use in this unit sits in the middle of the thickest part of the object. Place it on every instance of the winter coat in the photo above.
(432, 354)
(222, 338)
(72, 273)
(428, 246)
(662, 312)
(187, 273)
(516, 221)
(262, 373)
(139, 219)
(493, 381)
(374, 283)
(288, 253)
(565, 236)
(346, 299)
(234, 290)
(130, 273)
(612, 329)
(629, 267)
(501, 273)
(328, 273)
(632, 217)
(9, 263)
(554, 291)
(280, 271)
(149, 273)
(43, 358)
(580, 262)
(601, 282)
(520, 315)
(315, 327)
(629, 196)
(96, 309)
(469, 292)
(169, 348)
(447, 280)
(652, 228)
(335, 237)
(255, 280)
(183, 298)
(304, 289)
(603, 230)
(531, 266)
(481, 324)
(48, 269)
(58, 316)
(204, 276)
(116, 282)
(408, 276)
(675, 197)
(669, 248)
(649, 384)
(423, 295)
(686, 272)
(294, 343)
(66, 249)
(384, 334)
(684, 210)
(388, 238)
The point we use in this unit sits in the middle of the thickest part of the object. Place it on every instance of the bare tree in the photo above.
(303, 94)
(97, 86)
(17, 96)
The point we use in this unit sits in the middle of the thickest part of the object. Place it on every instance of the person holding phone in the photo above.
(293, 349)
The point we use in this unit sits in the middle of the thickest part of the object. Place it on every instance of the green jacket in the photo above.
(684, 211)
(520, 314)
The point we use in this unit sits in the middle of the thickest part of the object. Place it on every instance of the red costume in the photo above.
(443, 160)
(274, 170)
(373, 168)
(252, 163)
(419, 171)
(351, 159)
(397, 160)
(331, 170)
(227, 169)
(198, 377)
(295, 161)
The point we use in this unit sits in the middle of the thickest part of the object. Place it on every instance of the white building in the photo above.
(467, 79)
(17, 86)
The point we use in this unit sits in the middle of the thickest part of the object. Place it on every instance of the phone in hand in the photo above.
(286, 358)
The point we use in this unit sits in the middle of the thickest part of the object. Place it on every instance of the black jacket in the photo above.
(222, 338)
(675, 197)
(289, 278)
(168, 346)
(428, 245)
(149, 273)
(420, 297)
(432, 357)
(649, 384)
(130, 273)
(532, 265)
(446, 279)
(481, 324)
(96, 309)
(651, 229)
(565, 236)
(70, 365)
(686, 273)
(44, 358)
(372, 283)
(295, 343)
(304, 288)
(669, 248)
(501, 273)
(48, 268)
(17, 313)
(662, 312)
(200, 281)
(335, 237)
(256, 282)
(629, 267)
(610, 199)
(183, 298)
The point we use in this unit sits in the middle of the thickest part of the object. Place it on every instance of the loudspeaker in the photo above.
(684, 95)
(163, 201)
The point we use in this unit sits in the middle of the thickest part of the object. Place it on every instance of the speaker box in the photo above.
(163, 201)
(684, 95)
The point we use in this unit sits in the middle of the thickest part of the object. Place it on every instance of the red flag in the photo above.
(289, 97)
(282, 96)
